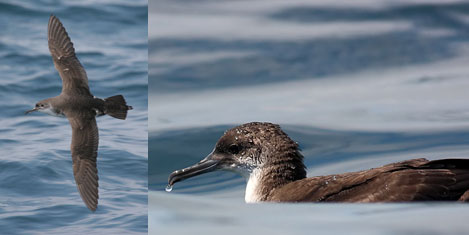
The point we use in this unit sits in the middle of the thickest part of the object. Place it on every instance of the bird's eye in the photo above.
(234, 149)
(42, 105)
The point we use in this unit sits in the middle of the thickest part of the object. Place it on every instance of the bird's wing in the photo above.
(401, 186)
(84, 149)
(412, 180)
(74, 79)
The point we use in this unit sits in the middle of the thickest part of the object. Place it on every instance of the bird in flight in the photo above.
(81, 108)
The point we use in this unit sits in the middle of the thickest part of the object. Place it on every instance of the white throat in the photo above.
(51, 112)
(253, 193)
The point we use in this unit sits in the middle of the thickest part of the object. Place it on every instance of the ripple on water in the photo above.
(37, 189)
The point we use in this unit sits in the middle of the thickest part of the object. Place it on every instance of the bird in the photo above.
(274, 169)
(80, 107)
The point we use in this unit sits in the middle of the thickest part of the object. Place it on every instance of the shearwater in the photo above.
(274, 169)
(80, 107)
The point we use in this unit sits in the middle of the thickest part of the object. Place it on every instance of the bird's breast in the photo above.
(53, 112)
(253, 192)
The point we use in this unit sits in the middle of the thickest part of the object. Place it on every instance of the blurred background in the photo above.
(357, 83)
(38, 194)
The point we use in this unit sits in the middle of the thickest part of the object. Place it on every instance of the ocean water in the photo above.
(357, 83)
(38, 194)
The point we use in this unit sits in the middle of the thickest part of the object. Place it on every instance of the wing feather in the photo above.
(84, 149)
(412, 180)
(74, 78)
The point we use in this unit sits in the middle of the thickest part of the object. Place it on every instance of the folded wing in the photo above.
(412, 180)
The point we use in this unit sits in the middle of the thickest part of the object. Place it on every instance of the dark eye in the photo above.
(234, 149)
(42, 105)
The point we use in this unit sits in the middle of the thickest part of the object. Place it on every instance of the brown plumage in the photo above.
(84, 150)
(411, 180)
(275, 171)
(74, 78)
(80, 107)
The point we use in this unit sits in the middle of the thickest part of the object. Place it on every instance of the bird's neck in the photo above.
(263, 180)
(52, 111)
(54, 108)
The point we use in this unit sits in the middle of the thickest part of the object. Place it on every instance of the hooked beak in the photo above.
(208, 164)
(30, 111)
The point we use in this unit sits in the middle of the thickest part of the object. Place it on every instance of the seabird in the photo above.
(275, 172)
(80, 107)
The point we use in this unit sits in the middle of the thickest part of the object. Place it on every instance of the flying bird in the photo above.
(273, 166)
(80, 107)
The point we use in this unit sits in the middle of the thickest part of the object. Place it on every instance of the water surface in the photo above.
(37, 190)
(357, 83)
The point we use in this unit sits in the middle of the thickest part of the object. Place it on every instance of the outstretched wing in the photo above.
(74, 79)
(84, 149)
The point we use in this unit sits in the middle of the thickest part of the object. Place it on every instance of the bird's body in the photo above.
(66, 104)
(276, 173)
(411, 180)
(80, 107)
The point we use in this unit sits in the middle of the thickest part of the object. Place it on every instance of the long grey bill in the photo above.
(206, 165)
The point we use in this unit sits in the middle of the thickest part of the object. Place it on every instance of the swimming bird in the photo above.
(80, 107)
(273, 166)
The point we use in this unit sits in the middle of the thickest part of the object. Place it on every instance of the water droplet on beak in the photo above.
(169, 188)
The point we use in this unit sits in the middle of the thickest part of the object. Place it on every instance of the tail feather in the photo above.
(459, 168)
(116, 107)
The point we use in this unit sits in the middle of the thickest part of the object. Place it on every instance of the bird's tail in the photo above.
(115, 106)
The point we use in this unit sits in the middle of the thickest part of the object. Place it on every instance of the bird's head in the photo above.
(43, 106)
(244, 149)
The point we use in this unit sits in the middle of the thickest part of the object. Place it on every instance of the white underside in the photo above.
(50, 112)
(252, 188)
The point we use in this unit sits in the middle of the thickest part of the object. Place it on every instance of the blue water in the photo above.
(357, 83)
(37, 189)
